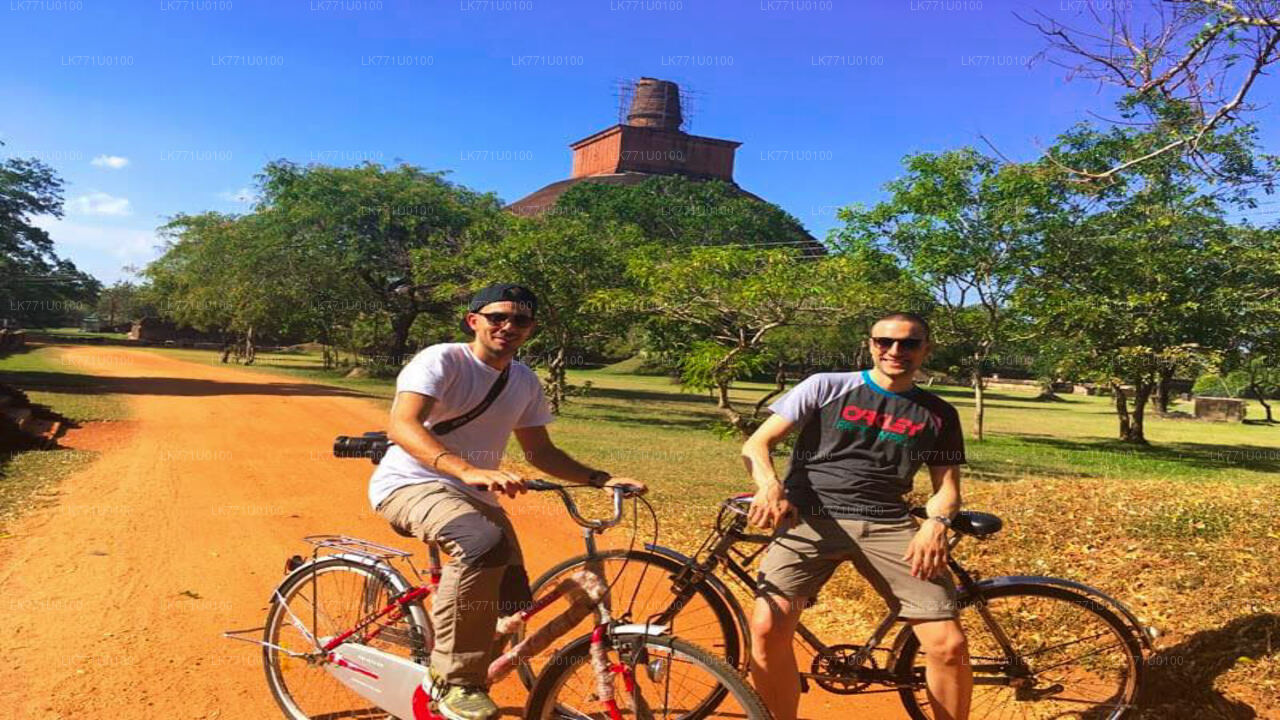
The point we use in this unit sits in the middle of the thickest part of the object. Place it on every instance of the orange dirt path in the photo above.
(116, 596)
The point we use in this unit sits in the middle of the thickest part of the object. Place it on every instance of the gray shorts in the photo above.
(802, 559)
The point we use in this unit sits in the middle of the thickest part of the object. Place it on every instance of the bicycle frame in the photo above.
(720, 548)
(394, 683)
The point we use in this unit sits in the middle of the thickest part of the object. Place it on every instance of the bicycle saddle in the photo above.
(978, 524)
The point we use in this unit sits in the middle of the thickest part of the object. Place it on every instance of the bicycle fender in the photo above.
(1145, 633)
(739, 615)
(390, 574)
(640, 629)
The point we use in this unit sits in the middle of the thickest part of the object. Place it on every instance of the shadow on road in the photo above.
(93, 384)
(1179, 682)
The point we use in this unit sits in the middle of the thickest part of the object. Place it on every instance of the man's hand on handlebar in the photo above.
(495, 480)
(771, 509)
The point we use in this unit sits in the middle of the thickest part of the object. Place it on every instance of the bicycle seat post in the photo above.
(433, 564)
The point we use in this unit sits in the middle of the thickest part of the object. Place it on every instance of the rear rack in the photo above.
(356, 545)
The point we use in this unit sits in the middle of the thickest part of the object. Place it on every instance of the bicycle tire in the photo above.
(730, 634)
(376, 586)
(907, 647)
(544, 698)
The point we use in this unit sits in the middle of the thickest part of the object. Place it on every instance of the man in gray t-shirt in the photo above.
(862, 437)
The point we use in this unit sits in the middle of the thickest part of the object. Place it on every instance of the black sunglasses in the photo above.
(498, 318)
(908, 343)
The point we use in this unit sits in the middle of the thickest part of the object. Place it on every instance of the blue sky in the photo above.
(153, 108)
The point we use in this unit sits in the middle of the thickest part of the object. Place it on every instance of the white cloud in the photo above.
(102, 251)
(115, 162)
(243, 195)
(100, 203)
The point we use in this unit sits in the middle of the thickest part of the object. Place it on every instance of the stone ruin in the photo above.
(1220, 409)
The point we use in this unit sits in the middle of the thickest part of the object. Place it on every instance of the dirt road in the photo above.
(115, 597)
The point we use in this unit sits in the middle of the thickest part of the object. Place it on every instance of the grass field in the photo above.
(1186, 531)
(49, 381)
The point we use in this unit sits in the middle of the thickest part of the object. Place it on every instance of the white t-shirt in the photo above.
(458, 381)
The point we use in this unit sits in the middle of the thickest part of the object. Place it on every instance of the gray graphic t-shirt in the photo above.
(860, 445)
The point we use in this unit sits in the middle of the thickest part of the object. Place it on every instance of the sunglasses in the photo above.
(908, 344)
(498, 318)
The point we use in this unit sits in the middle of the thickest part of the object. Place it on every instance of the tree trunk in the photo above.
(556, 379)
(722, 395)
(1257, 394)
(780, 384)
(1122, 408)
(860, 359)
(326, 350)
(1162, 391)
(979, 401)
(740, 422)
(1141, 393)
(400, 325)
(250, 353)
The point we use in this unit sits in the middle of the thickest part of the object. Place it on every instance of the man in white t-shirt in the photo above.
(437, 483)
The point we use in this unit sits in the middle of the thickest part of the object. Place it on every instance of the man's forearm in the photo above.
(756, 456)
(426, 449)
(557, 462)
(945, 502)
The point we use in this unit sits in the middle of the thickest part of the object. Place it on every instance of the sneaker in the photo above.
(459, 702)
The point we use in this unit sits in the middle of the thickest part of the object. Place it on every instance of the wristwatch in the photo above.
(598, 478)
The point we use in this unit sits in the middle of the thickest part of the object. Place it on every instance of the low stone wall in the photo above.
(1092, 389)
(1219, 409)
(1028, 386)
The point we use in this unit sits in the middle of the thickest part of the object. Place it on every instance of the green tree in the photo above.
(676, 211)
(1135, 284)
(566, 261)
(1253, 300)
(122, 302)
(37, 287)
(966, 228)
(372, 224)
(231, 274)
(728, 301)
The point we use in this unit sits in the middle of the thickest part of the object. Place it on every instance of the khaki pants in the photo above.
(483, 580)
(802, 559)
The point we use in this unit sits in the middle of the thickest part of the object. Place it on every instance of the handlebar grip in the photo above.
(542, 485)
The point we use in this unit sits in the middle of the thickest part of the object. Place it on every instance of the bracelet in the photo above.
(435, 463)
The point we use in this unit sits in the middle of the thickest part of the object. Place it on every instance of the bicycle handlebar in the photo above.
(619, 494)
(373, 445)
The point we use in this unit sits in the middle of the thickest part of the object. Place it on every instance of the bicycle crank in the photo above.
(836, 669)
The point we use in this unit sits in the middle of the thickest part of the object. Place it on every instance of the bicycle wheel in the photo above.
(1075, 658)
(671, 680)
(706, 620)
(330, 598)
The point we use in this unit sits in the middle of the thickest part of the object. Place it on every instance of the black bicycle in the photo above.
(1040, 647)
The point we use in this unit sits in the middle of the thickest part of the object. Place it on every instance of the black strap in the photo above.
(447, 426)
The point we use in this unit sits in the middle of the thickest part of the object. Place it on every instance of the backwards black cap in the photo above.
(501, 292)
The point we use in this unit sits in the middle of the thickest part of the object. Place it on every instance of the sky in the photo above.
(150, 109)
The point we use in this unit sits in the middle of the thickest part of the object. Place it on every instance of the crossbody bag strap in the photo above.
(447, 426)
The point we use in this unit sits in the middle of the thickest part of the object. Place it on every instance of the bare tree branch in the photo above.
(1185, 51)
